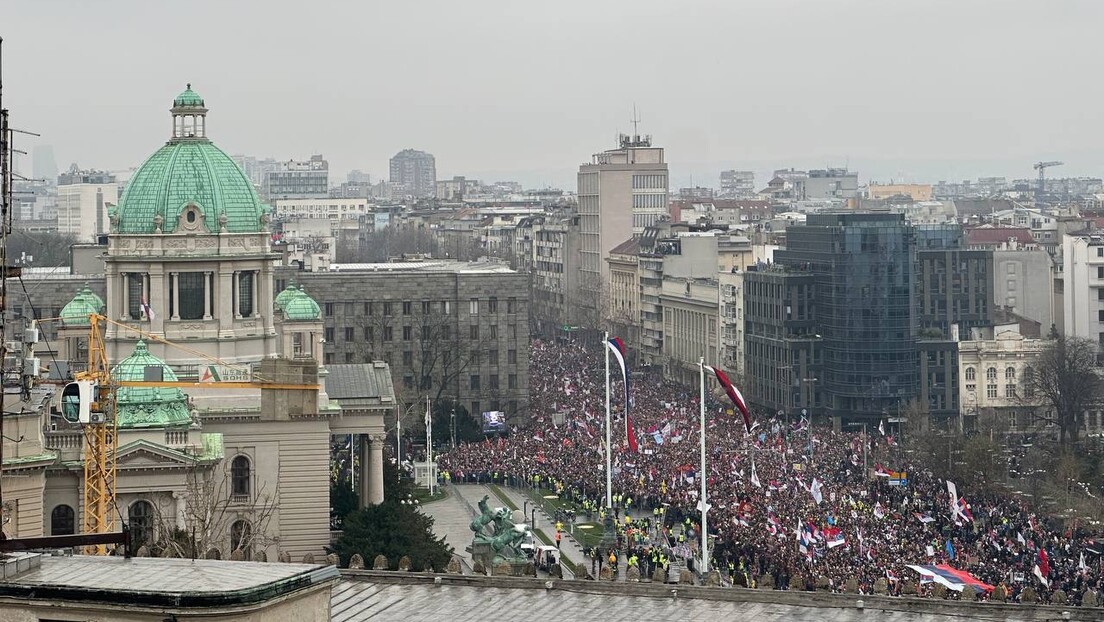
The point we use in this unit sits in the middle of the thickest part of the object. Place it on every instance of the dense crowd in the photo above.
(865, 526)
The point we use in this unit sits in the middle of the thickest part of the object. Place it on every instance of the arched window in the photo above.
(1009, 373)
(62, 521)
(970, 373)
(991, 373)
(140, 516)
(241, 537)
(239, 477)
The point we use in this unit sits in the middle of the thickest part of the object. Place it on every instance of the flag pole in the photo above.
(703, 475)
(429, 448)
(609, 460)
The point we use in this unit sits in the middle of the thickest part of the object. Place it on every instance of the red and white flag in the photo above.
(733, 394)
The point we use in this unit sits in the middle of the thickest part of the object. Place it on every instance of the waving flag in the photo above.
(814, 490)
(878, 512)
(755, 478)
(618, 348)
(1042, 567)
(733, 394)
(148, 310)
(952, 578)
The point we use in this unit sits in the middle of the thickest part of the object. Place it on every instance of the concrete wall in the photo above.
(1024, 281)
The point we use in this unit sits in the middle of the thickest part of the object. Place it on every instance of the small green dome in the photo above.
(188, 98)
(183, 172)
(91, 297)
(76, 312)
(286, 296)
(302, 307)
(142, 407)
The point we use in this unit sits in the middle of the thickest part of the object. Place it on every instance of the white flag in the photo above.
(881, 427)
(755, 478)
(1020, 539)
(815, 491)
(1082, 566)
(1039, 573)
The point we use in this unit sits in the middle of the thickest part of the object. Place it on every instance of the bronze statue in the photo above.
(504, 543)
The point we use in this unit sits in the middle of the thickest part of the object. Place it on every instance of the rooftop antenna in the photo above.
(635, 120)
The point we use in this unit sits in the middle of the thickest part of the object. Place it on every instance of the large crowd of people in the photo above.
(764, 516)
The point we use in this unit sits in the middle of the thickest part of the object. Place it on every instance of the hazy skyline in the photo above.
(921, 91)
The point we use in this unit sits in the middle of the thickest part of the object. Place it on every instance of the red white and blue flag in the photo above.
(618, 348)
(952, 578)
(733, 394)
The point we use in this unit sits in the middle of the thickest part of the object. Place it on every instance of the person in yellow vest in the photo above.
(613, 562)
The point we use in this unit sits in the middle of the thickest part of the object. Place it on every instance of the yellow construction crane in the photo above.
(90, 401)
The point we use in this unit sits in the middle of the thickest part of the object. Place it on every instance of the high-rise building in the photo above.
(832, 183)
(43, 165)
(865, 317)
(416, 171)
(737, 184)
(620, 191)
(298, 180)
(82, 202)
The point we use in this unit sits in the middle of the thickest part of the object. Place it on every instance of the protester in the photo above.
(763, 489)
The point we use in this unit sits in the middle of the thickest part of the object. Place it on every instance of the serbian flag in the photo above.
(148, 310)
(733, 394)
(618, 348)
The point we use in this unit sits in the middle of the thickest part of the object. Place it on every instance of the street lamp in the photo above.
(452, 425)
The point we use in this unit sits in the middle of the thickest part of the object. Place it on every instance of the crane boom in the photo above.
(1040, 188)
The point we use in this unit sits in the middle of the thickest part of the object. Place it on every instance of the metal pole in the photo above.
(866, 444)
(703, 474)
(432, 476)
(452, 422)
(398, 441)
(609, 459)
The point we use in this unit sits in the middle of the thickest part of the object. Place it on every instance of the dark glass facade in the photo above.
(864, 265)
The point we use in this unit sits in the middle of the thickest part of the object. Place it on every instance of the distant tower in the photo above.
(43, 164)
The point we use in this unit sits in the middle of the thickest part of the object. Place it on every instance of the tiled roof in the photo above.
(364, 381)
(630, 246)
(998, 235)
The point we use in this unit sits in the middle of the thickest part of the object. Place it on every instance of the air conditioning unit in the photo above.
(97, 418)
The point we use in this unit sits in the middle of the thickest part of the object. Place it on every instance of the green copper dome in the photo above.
(189, 170)
(91, 297)
(286, 296)
(188, 98)
(302, 307)
(76, 312)
(141, 407)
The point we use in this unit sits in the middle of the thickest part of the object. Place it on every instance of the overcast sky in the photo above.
(520, 89)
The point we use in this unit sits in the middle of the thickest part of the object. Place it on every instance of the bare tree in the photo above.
(1066, 382)
(210, 514)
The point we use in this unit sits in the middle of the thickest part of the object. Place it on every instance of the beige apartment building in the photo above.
(916, 192)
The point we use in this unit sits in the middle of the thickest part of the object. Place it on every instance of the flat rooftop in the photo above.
(429, 265)
(161, 582)
(400, 597)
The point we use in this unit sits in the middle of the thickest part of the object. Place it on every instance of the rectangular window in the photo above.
(369, 334)
(407, 307)
(350, 308)
(387, 308)
(446, 307)
(492, 381)
(475, 408)
(446, 332)
(245, 293)
(367, 308)
(1100, 272)
(492, 305)
(427, 383)
(349, 336)
(426, 332)
(511, 381)
(492, 331)
(388, 333)
(328, 358)
(135, 294)
(408, 357)
(328, 309)
(511, 305)
(473, 382)
(408, 382)
(1010, 390)
(408, 333)
(492, 357)
(348, 357)
(511, 357)
(427, 307)
(328, 334)
(192, 293)
(991, 391)
(511, 331)
(473, 332)
(473, 305)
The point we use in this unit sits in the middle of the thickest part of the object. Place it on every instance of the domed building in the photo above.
(189, 297)
(189, 255)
